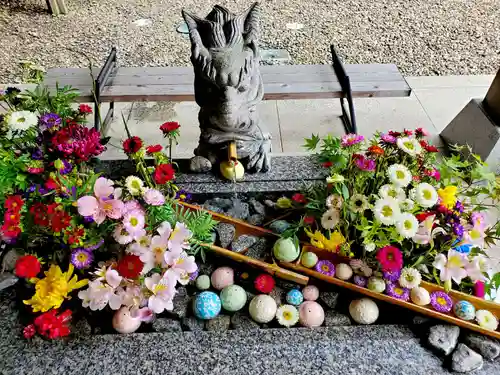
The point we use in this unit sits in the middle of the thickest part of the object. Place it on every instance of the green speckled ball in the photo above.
(285, 250)
(376, 284)
(203, 282)
(233, 298)
(309, 259)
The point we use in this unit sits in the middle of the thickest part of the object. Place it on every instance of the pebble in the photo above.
(330, 299)
(333, 319)
(464, 359)
(240, 210)
(182, 302)
(243, 242)
(488, 348)
(167, 325)
(199, 164)
(279, 226)
(258, 250)
(243, 322)
(258, 207)
(9, 260)
(81, 328)
(220, 323)
(444, 338)
(7, 280)
(225, 233)
(256, 219)
(192, 324)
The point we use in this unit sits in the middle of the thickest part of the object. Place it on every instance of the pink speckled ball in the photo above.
(310, 293)
(311, 314)
(222, 277)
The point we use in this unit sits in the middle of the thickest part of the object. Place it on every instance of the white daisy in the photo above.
(486, 320)
(407, 205)
(392, 191)
(22, 120)
(410, 278)
(134, 185)
(287, 315)
(330, 218)
(369, 247)
(409, 145)
(399, 175)
(334, 201)
(358, 203)
(387, 210)
(426, 195)
(407, 225)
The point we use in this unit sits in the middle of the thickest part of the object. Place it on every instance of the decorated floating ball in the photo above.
(310, 293)
(206, 305)
(309, 259)
(465, 310)
(294, 297)
(233, 298)
(420, 296)
(285, 250)
(123, 322)
(203, 282)
(364, 311)
(343, 271)
(311, 314)
(376, 284)
(264, 283)
(222, 277)
(262, 308)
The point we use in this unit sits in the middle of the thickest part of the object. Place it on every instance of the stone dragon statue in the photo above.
(228, 86)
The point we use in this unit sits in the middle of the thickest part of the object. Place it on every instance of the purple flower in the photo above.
(31, 189)
(194, 275)
(388, 138)
(360, 281)
(458, 229)
(68, 167)
(325, 267)
(351, 139)
(81, 258)
(392, 276)
(441, 301)
(397, 291)
(183, 195)
(37, 154)
(50, 120)
(88, 219)
(365, 164)
(459, 207)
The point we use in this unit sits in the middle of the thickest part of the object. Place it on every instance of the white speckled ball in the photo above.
(123, 322)
(376, 284)
(310, 293)
(311, 314)
(363, 311)
(222, 277)
(262, 308)
(420, 296)
(309, 259)
(343, 271)
(203, 282)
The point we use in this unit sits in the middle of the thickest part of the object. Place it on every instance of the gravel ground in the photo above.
(423, 37)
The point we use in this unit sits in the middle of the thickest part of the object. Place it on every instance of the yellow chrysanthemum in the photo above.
(448, 196)
(320, 241)
(54, 288)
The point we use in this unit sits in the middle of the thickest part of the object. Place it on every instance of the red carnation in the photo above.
(53, 326)
(39, 213)
(51, 184)
(130, 266)
(153, 148)
(84, 108)
(408, 132)
(27, 266)
(169, 127)
(264, 283)
(424, 215)
(132, 145)
(431, 148)
(421, 132)
(14, 203)
(308, 220)
(77, 142)
(394, 134)
(327, 164)
(299, 198)
(163, 173)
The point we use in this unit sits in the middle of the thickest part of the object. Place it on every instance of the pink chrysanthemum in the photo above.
(78, 142)
(351, 139)
(365, 164)
(390, 259)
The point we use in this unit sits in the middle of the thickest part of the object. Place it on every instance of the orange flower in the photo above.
(376, 150)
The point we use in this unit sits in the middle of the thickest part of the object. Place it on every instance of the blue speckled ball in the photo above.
(465, 310)
(206, 305)
(294, 297)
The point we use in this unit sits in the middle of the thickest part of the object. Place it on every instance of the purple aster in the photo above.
(88, 219)
(351, 139)
(360, 281)
(194, 275)
(81, 258)
(458, 229)
(50, 120)
(397, 291)
(392, 276)
(37, 154)
(365, 164)
(459, 207)
(183, 195)
(31, 189)
(325, 267)
(441, 301)
(68, 167)
(387, 138)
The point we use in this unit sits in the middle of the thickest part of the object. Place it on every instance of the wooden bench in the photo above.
(121, 84)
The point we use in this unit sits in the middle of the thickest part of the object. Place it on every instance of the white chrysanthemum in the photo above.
(22, 120)
(407, 225)
(392, 191)
(387, 210)
(399, 175)
(410, 278)
(335, 178)
(134, 185)
(287, 315)
(369, 247)
(334, 201)
(426, 195)
(358, 203)
(330, 218)
(407, 205)
(409, 145)
(486, 320)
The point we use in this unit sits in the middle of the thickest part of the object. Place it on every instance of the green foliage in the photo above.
(12, 173)
(312, 143)
(43, 101)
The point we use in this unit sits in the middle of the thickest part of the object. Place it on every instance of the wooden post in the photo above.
(492, 100)
(53, 7)
(62, 6)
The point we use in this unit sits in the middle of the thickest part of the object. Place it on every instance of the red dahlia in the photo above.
(14, 203)
(78, 142)
(84, 108)
(39, 213)
(27, 266)
(132, 145)
(10, 229)
(169, 127)
(299, 198)
(153, 148)
(163, 173)
(130, 266)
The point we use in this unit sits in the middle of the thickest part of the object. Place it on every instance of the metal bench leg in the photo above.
(99, 84)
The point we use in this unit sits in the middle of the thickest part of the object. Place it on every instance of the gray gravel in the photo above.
(421, 37)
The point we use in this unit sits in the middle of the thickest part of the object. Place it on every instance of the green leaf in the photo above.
(345, 192)
(312, 143)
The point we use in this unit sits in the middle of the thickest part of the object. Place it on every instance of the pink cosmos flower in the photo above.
(451, 267)
(365, 164)
(163, 291)
(154, 197)
(181, 264)
(103, 204)
(351, 139)
(133, 222)
(478, 220)
(133, 205)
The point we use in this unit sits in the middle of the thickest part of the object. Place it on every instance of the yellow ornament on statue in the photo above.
(232, 170)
